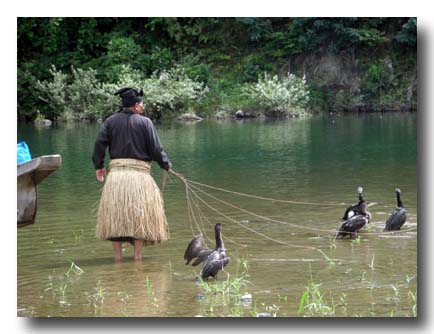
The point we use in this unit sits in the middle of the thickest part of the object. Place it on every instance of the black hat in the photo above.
(129, 96)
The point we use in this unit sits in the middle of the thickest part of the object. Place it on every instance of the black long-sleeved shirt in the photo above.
(129, 136)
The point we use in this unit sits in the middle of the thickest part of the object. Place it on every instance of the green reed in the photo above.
(312, 301)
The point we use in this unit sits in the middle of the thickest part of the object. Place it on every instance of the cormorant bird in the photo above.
(398, 216)
(354, 209)
(214, 259)
(353, 224)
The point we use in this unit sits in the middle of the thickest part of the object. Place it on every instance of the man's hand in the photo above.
(100, 174)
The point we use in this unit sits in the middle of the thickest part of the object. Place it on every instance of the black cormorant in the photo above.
(354, 209)
(398, 216)
(214, 259)
(353, 224)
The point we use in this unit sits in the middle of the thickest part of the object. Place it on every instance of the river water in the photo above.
(278, 248)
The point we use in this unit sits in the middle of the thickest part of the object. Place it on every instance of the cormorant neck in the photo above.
(398, 200)
(218, 237)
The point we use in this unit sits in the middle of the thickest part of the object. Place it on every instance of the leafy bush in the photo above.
(72, 97)
(196, 69)
(82, 96)
(85, 95)
(280, 96)
(171, 91)
(54, 93)
(376, 80)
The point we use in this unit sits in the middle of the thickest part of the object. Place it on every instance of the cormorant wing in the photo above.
(202, 256)
(357, 222)
(195, 248)
(353, 224)
(213, 264)
(396, 219)
(349, 212)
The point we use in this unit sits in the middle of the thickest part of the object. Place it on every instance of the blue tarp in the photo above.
(23, 152)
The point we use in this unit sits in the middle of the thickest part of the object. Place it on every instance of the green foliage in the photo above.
(75, 97)
(280, 96)
(408, 34)
(222, 53)
(257, 28)
(122, 50)
(367, 36)
(26, 88)
(172, 92)
(283, 43)
(319, 99)
(313, 303)
(82, 96)
(253, 65)
(376, 80)
(196, 69)
(54, 93)
(335, 34)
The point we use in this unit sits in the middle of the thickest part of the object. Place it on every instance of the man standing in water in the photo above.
(131, 206)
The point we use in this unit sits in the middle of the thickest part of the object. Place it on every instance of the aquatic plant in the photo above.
(312, 301)
(230, 285)
(226, 295)
(343, 301)
(78, 236)
(60, 289)
(74, 269)
(328, 259)
(225, 287)
(97, 298)
(372, 263)
(148, 286)
(413, 297)
(357, 240)
(99, 292)
(332, 242)
(396, 297)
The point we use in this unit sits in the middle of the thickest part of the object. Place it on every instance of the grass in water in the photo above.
(312, 301)
(60, 289)
(226, 294)
(329, 260)
(148, 286)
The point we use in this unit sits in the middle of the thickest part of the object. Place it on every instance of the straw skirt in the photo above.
(131, 204)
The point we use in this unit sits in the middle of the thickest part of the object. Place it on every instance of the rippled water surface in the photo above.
(278, 247)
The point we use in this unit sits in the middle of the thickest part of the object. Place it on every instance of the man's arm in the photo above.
(155, 148)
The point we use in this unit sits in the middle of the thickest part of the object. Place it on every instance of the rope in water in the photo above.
(191, 185)
(245, 227)
(260, 197)
(201, 214)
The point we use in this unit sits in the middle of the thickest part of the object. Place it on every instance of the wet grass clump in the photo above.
(313, 303)
(225, 297)
(58, 287)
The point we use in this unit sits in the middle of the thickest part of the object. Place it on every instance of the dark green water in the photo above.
(319, 160)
